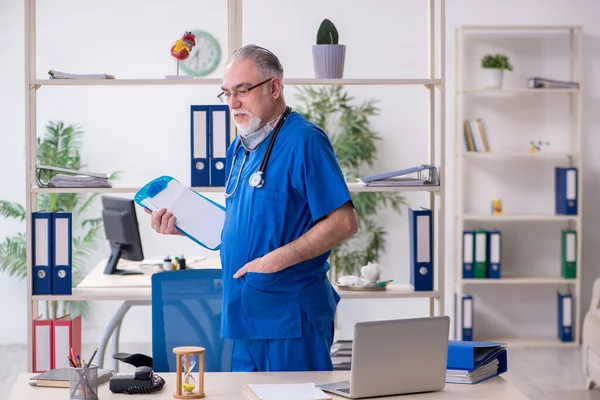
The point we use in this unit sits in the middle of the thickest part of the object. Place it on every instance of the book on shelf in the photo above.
(475, 136)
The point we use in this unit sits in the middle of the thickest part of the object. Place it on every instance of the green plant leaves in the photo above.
(327, 33)
(354, 143)
(60, 147)
(499, 61)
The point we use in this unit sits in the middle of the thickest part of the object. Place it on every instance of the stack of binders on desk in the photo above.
(473, 362)
(341, 355)
(52, 253)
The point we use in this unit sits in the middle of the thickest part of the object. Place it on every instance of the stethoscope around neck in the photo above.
(257, 179)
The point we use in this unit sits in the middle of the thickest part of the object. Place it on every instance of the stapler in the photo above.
(136, 359)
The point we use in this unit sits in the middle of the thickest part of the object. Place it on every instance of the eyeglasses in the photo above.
(224, 96)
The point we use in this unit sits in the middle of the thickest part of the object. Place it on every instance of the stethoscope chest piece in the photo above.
(256, 179)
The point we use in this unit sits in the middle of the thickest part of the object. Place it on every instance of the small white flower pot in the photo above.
(328, 60)
(493, 78)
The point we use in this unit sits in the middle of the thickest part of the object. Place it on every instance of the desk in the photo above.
(228, 386)
(135, 290)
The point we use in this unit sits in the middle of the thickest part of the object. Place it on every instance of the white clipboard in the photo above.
(198, 217)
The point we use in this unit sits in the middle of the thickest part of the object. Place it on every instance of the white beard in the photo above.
(251, 126)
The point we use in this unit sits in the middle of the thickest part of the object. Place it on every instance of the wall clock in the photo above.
(204, 57)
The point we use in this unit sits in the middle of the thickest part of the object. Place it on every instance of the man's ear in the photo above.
(276, 86)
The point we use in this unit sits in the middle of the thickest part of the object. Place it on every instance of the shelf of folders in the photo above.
(482, 254)
(564, 317)
(482, 249)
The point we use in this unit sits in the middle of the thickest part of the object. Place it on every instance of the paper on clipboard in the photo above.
(198, 217)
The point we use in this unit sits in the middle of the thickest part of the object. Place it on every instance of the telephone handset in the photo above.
(144, 380)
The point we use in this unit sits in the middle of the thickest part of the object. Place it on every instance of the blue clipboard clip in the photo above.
(424, 175)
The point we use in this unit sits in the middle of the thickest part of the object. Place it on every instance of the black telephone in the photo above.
(143, 381)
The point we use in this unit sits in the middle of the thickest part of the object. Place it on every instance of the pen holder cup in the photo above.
(83, 383)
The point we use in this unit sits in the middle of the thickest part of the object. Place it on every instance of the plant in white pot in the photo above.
(494, 66)
(328, 54)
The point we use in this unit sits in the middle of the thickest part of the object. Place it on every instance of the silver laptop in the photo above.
(396, 357)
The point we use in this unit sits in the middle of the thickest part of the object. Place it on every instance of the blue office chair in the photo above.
(186, 311)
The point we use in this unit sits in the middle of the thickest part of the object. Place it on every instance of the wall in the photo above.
(133, 41)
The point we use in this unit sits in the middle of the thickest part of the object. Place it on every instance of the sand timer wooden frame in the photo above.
(188, 387)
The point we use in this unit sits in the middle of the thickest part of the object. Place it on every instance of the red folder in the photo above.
(43, 345)
(66, 336)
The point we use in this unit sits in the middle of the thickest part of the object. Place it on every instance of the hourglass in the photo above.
(187, 357)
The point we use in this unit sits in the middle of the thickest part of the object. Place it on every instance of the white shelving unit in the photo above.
(571, 156)
(433, 82)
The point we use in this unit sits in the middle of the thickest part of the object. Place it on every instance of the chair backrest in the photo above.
(186, 311)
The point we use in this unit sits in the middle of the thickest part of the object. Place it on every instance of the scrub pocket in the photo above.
(269, 206)
(269, 311)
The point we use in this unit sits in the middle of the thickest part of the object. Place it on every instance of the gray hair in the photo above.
(267, 63)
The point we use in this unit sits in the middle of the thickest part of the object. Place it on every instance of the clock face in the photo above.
(204, 57)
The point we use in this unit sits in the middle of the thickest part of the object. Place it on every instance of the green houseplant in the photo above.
(354, 143)
(60, 147)
(494, 66)
(328, 54)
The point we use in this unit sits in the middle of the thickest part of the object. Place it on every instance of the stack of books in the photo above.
(60, 378)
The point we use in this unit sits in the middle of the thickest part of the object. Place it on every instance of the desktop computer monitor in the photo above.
(122, 232)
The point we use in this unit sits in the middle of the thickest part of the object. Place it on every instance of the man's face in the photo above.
(251, 110)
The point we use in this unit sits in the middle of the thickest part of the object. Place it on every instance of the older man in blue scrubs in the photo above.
(280, 224)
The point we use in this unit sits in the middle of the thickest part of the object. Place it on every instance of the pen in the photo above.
(384, 283)
(73, 358)
(92, 358)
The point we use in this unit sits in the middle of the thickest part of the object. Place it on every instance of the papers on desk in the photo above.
(66, 75)
(287, 391)
(425, 175)
(477, 375)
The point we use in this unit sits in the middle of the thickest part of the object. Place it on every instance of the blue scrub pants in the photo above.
(311, 352)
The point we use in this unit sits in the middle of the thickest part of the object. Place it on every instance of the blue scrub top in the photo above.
(303, 183)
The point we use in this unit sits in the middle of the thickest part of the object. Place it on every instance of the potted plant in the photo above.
(328, 55)
(494, 66)
(60, 147)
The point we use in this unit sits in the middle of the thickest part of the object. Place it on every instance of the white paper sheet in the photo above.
(196, 215)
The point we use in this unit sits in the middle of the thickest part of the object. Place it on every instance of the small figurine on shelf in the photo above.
(167, 264)
(182, 48)
(496, 207)
(535, 146)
